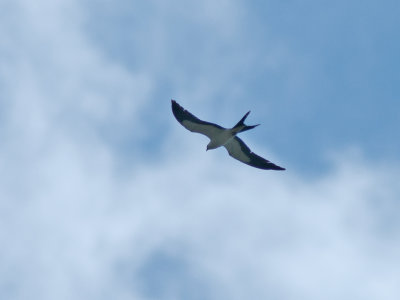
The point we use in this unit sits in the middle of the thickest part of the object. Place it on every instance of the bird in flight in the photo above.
(220, 136)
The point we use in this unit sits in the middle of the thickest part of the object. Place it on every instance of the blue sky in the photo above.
(104, 195)
(321, 74)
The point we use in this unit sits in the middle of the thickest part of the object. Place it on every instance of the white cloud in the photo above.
(193, 225)
(208, 223)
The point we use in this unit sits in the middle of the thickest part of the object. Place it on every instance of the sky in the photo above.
(103, 194)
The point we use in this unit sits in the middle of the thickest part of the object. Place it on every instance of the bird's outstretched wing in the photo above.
(239, 150)
(194, 124)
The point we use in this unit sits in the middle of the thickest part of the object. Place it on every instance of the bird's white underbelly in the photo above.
(221, 139)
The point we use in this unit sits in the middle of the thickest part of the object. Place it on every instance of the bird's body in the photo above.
(220, 136)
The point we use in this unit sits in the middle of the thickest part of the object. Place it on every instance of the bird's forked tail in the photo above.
(240, 126)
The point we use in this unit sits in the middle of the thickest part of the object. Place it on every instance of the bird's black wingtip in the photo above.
(277, 168)
(175, 105)
(178, 111)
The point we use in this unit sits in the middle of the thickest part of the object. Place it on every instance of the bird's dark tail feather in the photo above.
(243, 127)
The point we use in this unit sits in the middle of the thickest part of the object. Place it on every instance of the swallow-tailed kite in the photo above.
(220, 136)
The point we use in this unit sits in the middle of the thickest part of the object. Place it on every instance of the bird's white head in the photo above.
(210, 146)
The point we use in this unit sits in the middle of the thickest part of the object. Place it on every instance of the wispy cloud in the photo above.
(206, 223)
